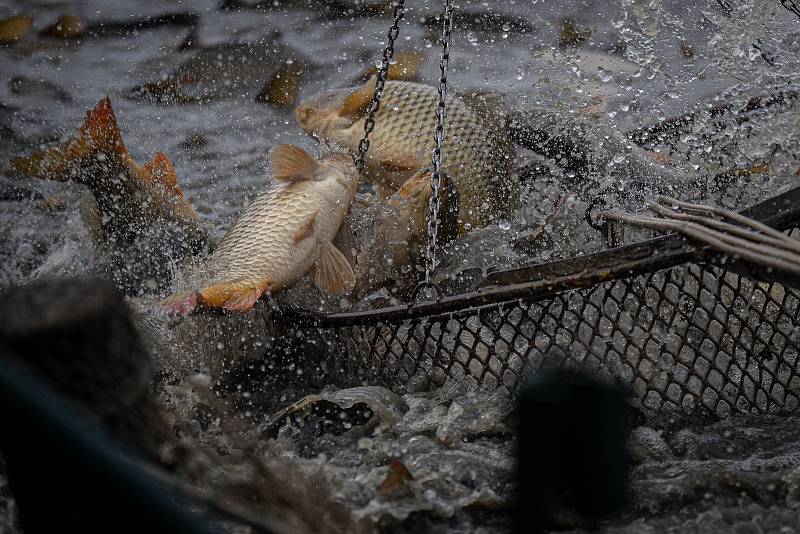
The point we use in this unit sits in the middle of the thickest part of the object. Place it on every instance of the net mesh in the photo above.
(694, 335)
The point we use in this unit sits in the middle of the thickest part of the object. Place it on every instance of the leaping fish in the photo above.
(477, 152)
(133, 203)
(286, 232)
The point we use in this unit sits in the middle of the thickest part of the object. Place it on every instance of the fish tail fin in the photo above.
(234, 296)
(181, 304)
(98, 135)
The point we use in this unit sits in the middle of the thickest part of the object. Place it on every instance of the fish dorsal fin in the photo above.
(292, 164)
(357, 102)
(100, 128)
(331, 271)
(406, 67)
(160, 170)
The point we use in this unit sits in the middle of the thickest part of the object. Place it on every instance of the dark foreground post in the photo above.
(78, 335)
(572, 451)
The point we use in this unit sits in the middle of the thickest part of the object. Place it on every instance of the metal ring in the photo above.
(431, 285)
(600, 204)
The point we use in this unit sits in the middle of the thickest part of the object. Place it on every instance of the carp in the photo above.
(477, 153)
(286, 232)
(135, 210)
(264, 72)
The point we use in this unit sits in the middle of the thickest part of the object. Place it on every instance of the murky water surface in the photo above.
(591, 68)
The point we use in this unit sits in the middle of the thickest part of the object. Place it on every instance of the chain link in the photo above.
(792, 6)
(436, 157)
(388, 53)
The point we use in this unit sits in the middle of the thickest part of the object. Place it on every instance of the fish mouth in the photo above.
(303, 115)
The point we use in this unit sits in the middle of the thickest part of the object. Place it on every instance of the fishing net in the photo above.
(683, 326)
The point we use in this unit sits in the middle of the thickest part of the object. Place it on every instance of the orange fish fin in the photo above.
(406, 67)
(100, 127)
(397, 476)
(415, 184)
(399, 162)
(292, 164)
(180, 304)
(161, 170)
(331, 271)
(357, 102)
(305, 230)
(99, 134)
(234, 296)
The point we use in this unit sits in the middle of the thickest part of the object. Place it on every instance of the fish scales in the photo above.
(479, 162)
(284, 233)
(477, 153)
(262, 239)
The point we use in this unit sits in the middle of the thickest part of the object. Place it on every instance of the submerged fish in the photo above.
(137, 208)
(478, 155)
(394, 252)
(286, 232)
(266, 72)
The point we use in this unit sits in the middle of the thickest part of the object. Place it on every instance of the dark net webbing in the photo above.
(689, 337)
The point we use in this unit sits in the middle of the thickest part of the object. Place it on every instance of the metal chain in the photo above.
(436, 158)
(792, 6)
(388, 53)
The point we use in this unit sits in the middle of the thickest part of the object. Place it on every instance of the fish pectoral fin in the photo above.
(331, 271)
(357, 102)
(292, 164)
(234, 296)
(305, 230)
(416, 184)
(399, 162)
(345, 242)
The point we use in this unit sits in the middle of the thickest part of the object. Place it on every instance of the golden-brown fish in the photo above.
(130, 197)
(283, 234)
(478, 156)
(140, 213)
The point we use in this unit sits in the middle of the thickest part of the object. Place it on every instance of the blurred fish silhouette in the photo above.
(138, 213)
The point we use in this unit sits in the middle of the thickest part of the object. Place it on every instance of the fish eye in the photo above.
(304, 113)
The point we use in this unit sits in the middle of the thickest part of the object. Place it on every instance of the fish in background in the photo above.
(265, 72)
(393, 253)
(139, 215)
(477, 153)
(286, 232)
